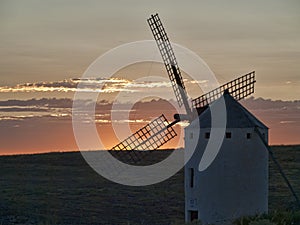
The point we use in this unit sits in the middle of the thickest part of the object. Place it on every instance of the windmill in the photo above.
(207, 201)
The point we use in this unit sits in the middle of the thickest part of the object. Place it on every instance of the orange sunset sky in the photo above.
(47, 45)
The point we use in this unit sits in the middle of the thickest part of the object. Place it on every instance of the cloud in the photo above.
(199, 81)
(287, 121)
(101, 85)
(43, 102)
(268, 104)
(40, 124)
(22, 109)
(143, 111)
(19, 110)
(70, 85)
(62, 107)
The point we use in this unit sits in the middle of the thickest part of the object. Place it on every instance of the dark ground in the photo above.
(60, 188)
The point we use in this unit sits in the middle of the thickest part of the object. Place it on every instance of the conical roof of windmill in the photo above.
(236, 115)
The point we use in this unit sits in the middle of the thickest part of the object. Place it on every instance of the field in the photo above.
(60, 188)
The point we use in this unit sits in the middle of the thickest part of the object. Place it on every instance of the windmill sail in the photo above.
(238, 88)
(150, 137)
(170, 61)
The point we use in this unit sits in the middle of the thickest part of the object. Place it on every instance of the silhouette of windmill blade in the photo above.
(152, 136)
(238, 88)
(170, 61)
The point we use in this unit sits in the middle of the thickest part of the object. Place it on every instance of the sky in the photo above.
(47, 45)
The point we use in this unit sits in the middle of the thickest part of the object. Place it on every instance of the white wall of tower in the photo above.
(235, 184)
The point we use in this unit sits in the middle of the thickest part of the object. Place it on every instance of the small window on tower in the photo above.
(207, 135)
(248, 135)
(191, 135)
(228, 135)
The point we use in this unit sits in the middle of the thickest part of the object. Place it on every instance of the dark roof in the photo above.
(237, 116)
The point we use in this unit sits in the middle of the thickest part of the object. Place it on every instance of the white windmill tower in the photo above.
(236, 182)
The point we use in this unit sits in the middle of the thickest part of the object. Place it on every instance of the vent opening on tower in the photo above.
(207, 135)
(228, 135)
(248, 135)
(192, 177)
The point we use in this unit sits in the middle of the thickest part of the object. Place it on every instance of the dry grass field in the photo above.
(60, 188)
